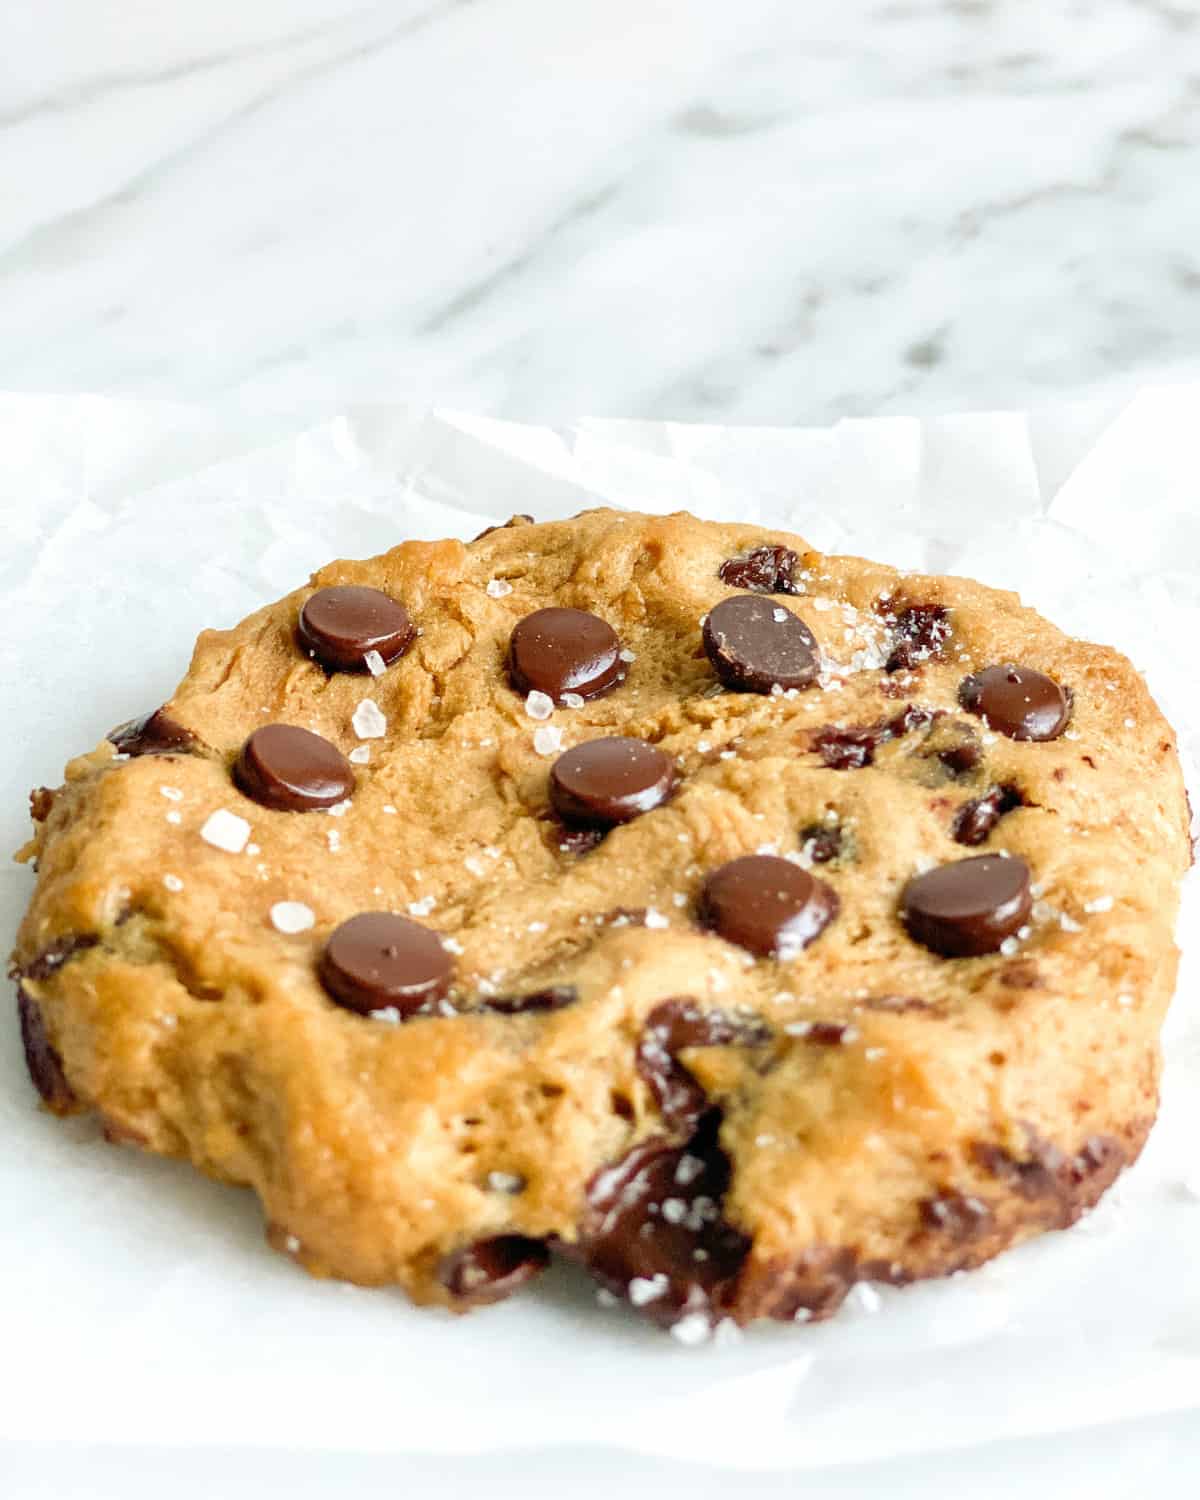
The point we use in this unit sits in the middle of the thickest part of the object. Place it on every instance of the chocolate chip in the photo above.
(975, 820)
(653, 1229)
(44, 1063)
(959, 1215)
(557, 651)
(610, 780)
(1017, 701)
(574, 841)
(41, 802)
(520, 519)
(811, 1285)
(822, 842)
(292, 770)
(491, 1270)
(153, 734)
(968, 907)
(849, 748)
(55, 954)
(766, 904)
(828, 1033)
(920, 633)
(555, 997)
(340, 625)
(765, 570)
(380, 961)
(673, 1026)
(755, 645)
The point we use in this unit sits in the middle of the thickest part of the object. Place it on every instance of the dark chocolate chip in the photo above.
(828, 1033)
(578, 841)
(670, 1028)
(653, 1229)
(292, 770)
(41, 801)
(921, 632)
(491, 1270)
(968, 907)
(557, 651)
(766, 904)
(822, 842)
(755, 645)
(958, 1215)
(153, 734)
(44, 1063)
(962, 758)
(974, 820)
(55, 954)
(380, 961)
(555, 997)
(520, 519)
(765, 570)
(844, 748)
(340, 625)
(610, 780)
(1017, 701)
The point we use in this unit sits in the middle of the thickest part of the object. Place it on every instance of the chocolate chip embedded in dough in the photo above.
(292, 770)
(767, 905)
(756, 645)
(340, 625)
(968, 907)
(380, 961)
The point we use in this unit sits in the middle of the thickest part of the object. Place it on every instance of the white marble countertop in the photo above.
(765, 211)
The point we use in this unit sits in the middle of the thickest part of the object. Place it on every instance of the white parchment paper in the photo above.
(138, 1301)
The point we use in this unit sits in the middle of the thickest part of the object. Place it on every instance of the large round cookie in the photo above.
(715, 1006)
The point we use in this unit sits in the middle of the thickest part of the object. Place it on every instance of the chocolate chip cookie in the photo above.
(736, 921)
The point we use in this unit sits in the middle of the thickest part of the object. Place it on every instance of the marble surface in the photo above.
(769, 211)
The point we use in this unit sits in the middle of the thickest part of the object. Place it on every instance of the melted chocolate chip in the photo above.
(292, 770)
(828, 1033)
(1017, 701)
(380, 961)
(1063, 1184)
(568, 839)
(610, 780)
(822, 842)
(44, 1063)
(672, 1027)
(340, 625)
(520, 519)
(41, 802)
(958, 1215)
(767, 905)
(755, 645)
(557, 651)
(765, 570)
(844, 748)
(55, 954)
(975, 820)
(491, 1270)
(153, 734)
(555, 997)
(920, 633)
(968, 907)
(653, 1229)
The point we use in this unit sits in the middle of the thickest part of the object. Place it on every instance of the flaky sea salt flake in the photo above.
(692, 1330)
(498, 587)
(173, 882)
(225, 830)
(368, 720)
(374, 663)
(539, 705)
(360, 755)
(547, 740)
(292, 916)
